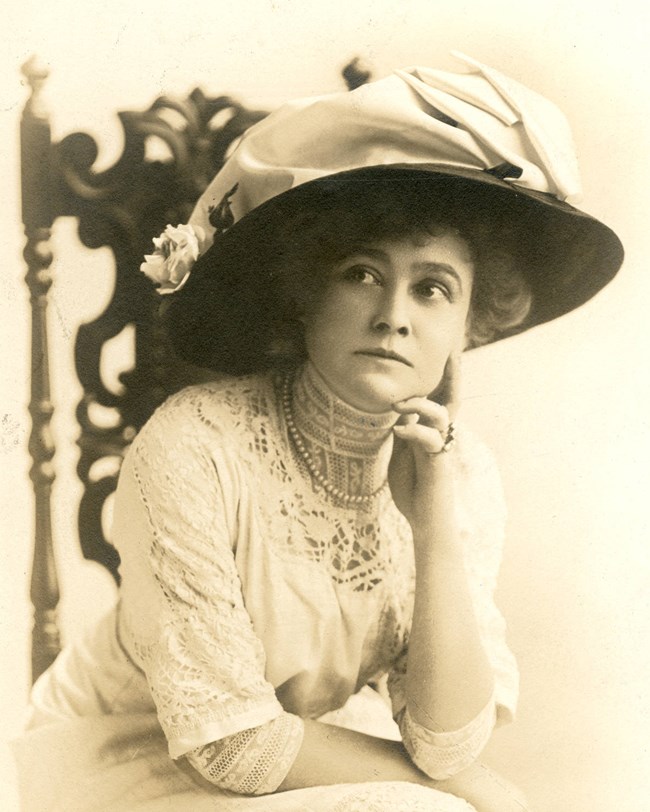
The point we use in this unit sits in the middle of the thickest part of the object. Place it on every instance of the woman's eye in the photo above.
(361, 274)
(433, 290)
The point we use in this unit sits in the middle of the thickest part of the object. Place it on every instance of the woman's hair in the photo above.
(283, 273)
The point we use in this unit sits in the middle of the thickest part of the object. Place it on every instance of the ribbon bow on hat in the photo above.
(501, 118)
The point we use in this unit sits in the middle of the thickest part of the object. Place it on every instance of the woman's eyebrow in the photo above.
(361, 250)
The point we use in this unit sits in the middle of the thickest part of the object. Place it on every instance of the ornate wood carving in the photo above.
(123, 207)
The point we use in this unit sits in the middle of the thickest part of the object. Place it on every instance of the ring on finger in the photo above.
(450, 438)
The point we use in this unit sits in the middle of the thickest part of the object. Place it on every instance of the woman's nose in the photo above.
(392, 316)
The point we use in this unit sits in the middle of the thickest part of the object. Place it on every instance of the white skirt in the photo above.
(121, 763)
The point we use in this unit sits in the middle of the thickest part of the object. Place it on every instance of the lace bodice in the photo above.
(247, 589)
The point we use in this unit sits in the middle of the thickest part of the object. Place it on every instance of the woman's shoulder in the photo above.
(226, 396)
(222, 410)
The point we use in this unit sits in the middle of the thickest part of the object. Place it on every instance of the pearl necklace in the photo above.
(325, 484)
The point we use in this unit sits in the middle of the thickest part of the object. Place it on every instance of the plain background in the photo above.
(564, 407)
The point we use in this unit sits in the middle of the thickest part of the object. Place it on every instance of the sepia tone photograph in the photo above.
(324, 427)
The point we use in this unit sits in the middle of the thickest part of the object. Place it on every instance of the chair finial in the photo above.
(356, 73)
(36, 72)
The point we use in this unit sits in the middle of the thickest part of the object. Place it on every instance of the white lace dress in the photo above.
(246, 591)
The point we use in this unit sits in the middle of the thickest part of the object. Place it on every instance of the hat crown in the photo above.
(475, 120)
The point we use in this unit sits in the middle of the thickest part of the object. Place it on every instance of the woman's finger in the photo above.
(428, 412)
(453, 379)
(448, 393)
(408, 418)
(429, 439)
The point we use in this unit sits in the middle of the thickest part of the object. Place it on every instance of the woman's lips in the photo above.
(380, 352)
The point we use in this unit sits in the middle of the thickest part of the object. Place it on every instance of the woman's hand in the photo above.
(419, 468)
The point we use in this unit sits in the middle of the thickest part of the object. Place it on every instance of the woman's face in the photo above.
(391, 315)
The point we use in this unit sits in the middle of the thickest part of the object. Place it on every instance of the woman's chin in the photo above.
(377, 396)
(375, 390)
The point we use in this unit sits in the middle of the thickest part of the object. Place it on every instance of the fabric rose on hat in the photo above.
(176, 251)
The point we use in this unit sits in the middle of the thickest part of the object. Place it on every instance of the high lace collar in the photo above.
(349, 448)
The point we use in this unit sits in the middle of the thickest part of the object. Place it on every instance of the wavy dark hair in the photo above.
(278, 269)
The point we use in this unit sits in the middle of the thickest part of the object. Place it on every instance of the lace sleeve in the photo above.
(482, 518)
(254, 761)
(183, 617)
(441, 755)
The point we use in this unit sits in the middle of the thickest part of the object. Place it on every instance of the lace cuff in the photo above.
(441, 755)
(254, 761)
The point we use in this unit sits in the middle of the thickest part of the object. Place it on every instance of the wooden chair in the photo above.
(122, 207)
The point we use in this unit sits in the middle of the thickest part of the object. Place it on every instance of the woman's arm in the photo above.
(330, 755)
(449, 680)
(334, 755)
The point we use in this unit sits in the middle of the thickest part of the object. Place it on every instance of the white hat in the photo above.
(475, 121)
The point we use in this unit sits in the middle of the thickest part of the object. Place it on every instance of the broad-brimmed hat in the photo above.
(493, 141)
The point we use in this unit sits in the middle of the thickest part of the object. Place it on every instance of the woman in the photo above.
(296, 531)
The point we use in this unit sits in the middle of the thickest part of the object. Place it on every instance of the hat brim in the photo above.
(569, 255)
